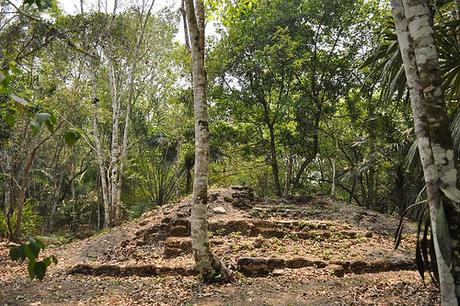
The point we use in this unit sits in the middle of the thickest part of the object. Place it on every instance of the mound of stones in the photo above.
(171, 231)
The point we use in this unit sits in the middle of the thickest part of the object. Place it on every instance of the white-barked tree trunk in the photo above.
(209, 266)
(418, 51)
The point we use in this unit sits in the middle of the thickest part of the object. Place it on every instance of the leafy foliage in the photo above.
(30, 250)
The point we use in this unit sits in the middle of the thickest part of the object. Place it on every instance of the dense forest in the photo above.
(116, 109)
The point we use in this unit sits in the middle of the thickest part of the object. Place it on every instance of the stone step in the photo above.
(175, 247)
(252, 267)
(266, 229)
(125, 271)
(257, 266)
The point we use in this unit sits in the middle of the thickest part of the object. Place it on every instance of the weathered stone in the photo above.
(269, 233)
(172, 252)
(241, 203)
(141, 270)
(359, 267)
(213, 196)
(350, 235)
(183, 222)
(276, 263)
(228, 199)
(336, 270)
(166, 220)
(295, 263)
(278, 272)
(219, 210)
(232, 226)
(143, 222)
(252, 266)
(320, 263)
(179, 231)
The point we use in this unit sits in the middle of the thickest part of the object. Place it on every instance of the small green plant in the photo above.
(30, 251)
(254, 213)
(3, 225)
(236, 234)
(293, 236)
(326, 255)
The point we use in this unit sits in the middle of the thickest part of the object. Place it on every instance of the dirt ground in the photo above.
(325, 252)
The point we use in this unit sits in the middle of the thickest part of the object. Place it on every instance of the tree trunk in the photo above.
(333, 177)
(115, 147)
(209, 266)
(426, 55)
(24, 184)
(406, 26)
(177, 168)
(124, 155)
(8, 181)
(287, 182)
(100, 158)
(274, 161)
(312, 157)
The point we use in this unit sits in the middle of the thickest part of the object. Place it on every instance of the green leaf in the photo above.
(442, 234)
(5, 78)
(40, 243)
(13, 68)
(30, 252)
(35, 126)
(71, 137)
(40, 269)
(10, 119)
(19, 100)
(51, 122)
(42, 117)
(34, 246)
(452, 193)
(17, 253)
(31, 268)
(47, 261)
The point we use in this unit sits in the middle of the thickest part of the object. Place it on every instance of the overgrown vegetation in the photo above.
(305, 96)
(302, 101)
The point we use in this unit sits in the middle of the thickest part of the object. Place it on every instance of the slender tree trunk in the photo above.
(334, 168)
(208, 264)
(115, 147)
(100, 157)
(124, 155)
(25, 182)
(312, 157)
(353, 187)
(426, 55)
(177, 168)
(8, 182)
(9, 193)
(55, 202)
(333, 177)
(420, 100)
(287, 182)
(274, 161)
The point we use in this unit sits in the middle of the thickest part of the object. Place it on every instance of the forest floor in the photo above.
(300, 251)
